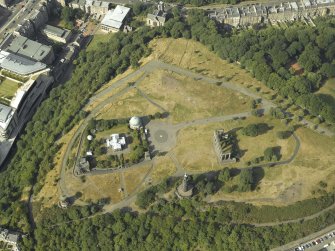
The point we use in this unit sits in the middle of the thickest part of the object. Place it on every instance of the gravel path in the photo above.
(143, 71)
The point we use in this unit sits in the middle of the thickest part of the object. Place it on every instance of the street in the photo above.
(17, 16)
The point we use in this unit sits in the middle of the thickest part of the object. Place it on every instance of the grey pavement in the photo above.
(309, 238)
(163, 135)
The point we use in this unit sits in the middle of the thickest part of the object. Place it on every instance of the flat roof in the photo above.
(4, 112)
(29, 48)
(21, 92)
(59, 32)
(114, 18)
(18, 64)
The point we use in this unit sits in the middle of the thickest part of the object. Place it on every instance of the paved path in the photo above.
(150, 100)
(142, 73)
(123, 185)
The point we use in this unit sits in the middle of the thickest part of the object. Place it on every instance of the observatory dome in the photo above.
(135, 123)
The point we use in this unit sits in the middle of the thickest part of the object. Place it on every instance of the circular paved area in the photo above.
(161, 136)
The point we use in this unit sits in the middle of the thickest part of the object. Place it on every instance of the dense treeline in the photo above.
(256, 50)
(271, 54)
(57, 115)
(178, 225)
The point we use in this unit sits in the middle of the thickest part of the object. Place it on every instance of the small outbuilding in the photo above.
(116, 142)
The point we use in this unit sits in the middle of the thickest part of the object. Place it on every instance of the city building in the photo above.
(116, 142)
(34, 21)
(29, 49)
(158, 17)
(5, 3)
(96, 8)
(19, 65)
(115, 19)
(252, 14)
(29, 82)
(57, 34)
(78, 4)
(24, 102)
(11, 238)
(273, 12)
(135, 123)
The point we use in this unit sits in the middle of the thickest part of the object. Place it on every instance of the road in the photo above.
(308, 238)
(17, 16)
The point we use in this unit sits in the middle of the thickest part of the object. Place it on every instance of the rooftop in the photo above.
(4, 113)
(20, 93)
(18, 64)
(29, 48)
(56, 31)
(114, 18)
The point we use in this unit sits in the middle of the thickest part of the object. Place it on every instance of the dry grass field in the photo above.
(135, 177)
(192, 55)
(49, 194)
(195, 144)
(187, 99)
(328, 88)
(96, 187)
(298, 180)
(163, 168)
(128, 105)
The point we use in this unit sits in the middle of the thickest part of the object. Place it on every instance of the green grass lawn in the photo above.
(8, 88)
(115, 129)
(98, 38)
(328, 87)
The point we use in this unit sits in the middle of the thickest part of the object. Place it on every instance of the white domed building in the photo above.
(135, 123)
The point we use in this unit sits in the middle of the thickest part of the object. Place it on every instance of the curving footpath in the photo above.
(142, 72)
